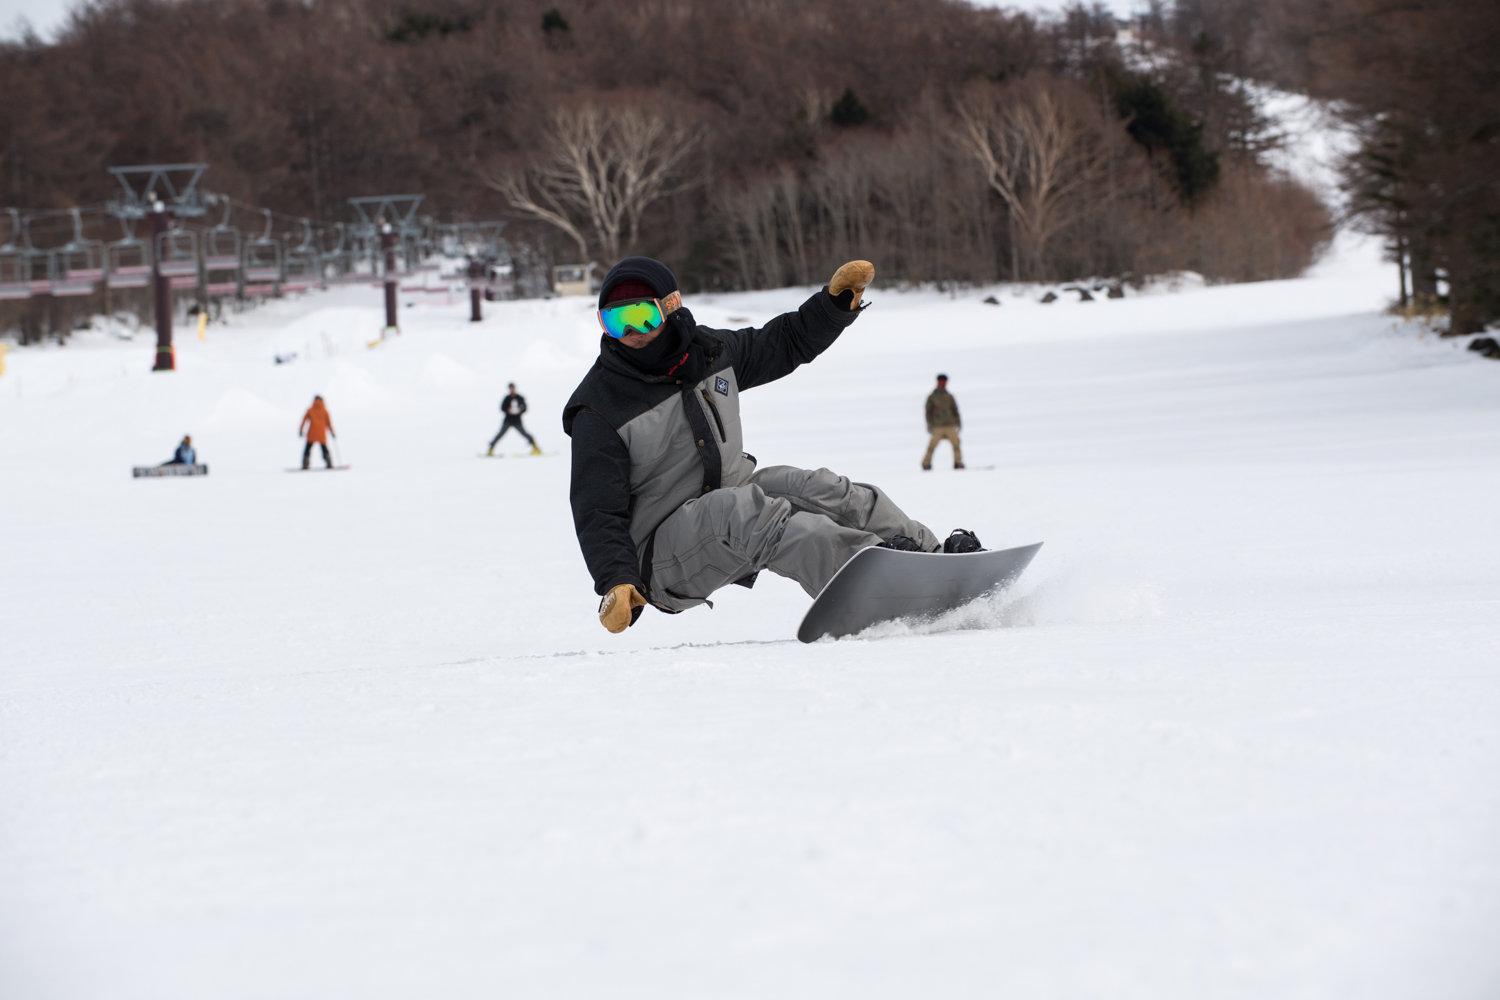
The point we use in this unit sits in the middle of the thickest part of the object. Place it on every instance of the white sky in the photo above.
(46, 16)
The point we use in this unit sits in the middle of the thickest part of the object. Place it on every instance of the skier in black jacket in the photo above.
(667, 506)
(513, 405)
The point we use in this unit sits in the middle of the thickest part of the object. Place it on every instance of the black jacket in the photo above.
(520, 405)
(643, 444)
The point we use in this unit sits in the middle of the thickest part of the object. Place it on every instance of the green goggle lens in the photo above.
(637, 316)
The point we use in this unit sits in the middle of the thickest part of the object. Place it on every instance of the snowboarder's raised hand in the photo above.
(855, 275)
(621, 607)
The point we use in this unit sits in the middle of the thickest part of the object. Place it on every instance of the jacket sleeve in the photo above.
(958, 421)
(600, 495)
(521, 405)
(929, 413)
(789, 340)
(306, 419)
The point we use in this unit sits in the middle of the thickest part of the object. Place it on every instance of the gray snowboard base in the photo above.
(155, 471)
(881, 585)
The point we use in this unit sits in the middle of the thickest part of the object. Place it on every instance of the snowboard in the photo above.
(881, 585)
(321, 468)
(154, 471)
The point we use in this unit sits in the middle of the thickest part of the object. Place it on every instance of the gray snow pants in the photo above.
(799, 523)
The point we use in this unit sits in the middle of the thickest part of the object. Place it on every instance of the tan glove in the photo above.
(857, 274)
(618, 610)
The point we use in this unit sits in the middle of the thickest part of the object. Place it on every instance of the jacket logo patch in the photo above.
(721, 386)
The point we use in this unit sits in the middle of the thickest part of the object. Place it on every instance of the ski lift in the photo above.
(301, 268)
(78, 264)
(177, 257)
(222, 247)
(127, 260)
(15, 264)
(262, 262)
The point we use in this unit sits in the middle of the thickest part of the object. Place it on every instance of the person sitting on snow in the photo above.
(667, 506)
(184, 455)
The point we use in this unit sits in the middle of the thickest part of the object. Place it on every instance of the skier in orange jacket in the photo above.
(318, 425)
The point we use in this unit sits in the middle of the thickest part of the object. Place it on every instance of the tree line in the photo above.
(748, 143)
(1418, 83)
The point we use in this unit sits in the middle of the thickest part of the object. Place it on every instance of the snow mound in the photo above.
(543, 356)
(239, 407)
(353, 387)
(442, 372)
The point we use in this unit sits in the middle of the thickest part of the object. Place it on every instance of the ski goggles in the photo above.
(620, 319)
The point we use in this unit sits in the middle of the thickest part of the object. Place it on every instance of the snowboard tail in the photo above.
(881, 585)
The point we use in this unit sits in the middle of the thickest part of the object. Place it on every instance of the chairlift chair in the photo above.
(15, 264)
(262, 262)
(451, 243)
(177, 257)
(301, 262)
(36, 264)
(335, 265)
(77, 265)
(222, 253)
(127, 260)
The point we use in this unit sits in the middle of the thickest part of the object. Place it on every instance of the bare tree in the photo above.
(600, 168)
(1038, 153)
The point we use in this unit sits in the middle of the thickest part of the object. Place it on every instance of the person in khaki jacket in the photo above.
(943, 423)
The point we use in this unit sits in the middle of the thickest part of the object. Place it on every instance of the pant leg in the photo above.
(727, 535)
(306, 453)
(951, 433)
(849, 504)
(504, 426)
(937, 435)
(530, 440)
(327, 460)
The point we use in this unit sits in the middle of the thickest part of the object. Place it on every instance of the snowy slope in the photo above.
(361, 735)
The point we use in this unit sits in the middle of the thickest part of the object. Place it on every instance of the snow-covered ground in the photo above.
(361, 735)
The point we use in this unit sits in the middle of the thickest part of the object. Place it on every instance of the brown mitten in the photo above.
(621, 607)
(856, 275)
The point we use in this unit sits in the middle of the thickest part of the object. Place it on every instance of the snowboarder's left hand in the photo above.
(621, 607)
(856, 275)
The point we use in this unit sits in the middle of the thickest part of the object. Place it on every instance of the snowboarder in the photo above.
(185, 453)
(318, 425)
(513, 405)
(943, 423)
(667, 506)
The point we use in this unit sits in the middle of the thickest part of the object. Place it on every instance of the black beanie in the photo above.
(643, 269)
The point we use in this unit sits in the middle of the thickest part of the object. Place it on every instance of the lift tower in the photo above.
(158, 191)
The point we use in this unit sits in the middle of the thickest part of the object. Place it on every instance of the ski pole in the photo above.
(338, 458)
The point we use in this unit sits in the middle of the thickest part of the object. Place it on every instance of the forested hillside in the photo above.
(1418, 81)
(771, 137)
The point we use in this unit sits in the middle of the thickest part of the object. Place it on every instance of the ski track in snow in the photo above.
(1233, 734)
